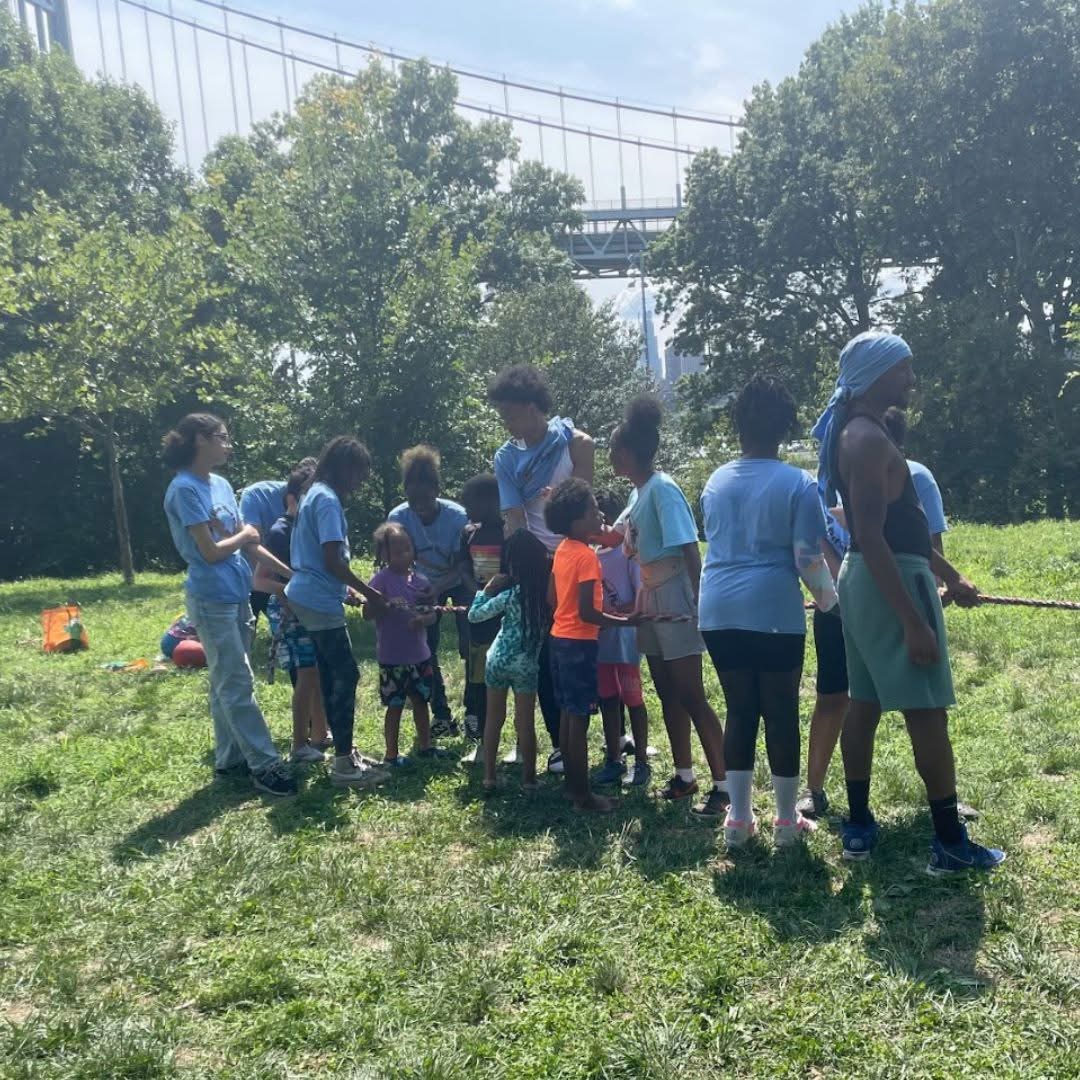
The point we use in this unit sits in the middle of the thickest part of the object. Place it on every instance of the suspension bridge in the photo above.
(216, 69)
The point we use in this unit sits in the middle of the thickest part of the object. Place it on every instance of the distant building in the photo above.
(676, 365)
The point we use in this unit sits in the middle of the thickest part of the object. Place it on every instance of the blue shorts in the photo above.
(573, 674)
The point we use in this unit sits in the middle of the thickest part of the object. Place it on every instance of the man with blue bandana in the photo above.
(894, 627)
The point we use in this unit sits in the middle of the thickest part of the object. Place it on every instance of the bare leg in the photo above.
(612, 716)
(825, 727)
(525, 726)
(422, 719)
(857, 739)
(300, 707)
(639, 729)
(676, 719)
(576, 761)
(391, 731)
(929, 733)
(685, 675)
(493, 725)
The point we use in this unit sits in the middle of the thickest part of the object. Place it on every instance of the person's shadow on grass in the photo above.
(926, 929)
(197, 811)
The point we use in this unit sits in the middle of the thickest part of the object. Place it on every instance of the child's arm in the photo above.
(486, 605)
(268, 559)
(587, 610)
(607, 537)
(267, 582)
(215, 551)
(338, 568)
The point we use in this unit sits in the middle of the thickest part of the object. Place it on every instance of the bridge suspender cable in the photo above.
(519, 118)
(480, 76)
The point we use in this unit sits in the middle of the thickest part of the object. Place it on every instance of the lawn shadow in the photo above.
(656, 838)
(318, 806)
(196, 812)
(26, 601)
(927, 929)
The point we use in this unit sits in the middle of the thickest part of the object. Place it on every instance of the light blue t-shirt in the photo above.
(659, 520)
(621, 581)
(319, 520)
(191, 500)
(262, 503)
(757, 512)
(438, 545)
(930, 497)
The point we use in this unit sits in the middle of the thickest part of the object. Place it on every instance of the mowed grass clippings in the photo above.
(155, 922)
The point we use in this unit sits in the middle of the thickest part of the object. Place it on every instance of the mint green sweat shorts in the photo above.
(878, 666)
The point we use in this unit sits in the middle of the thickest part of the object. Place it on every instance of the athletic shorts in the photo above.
(293, 648)
(666, 590)
(398, 682)
(879, 670)
(621, 682)
(573, 674)
(752, 650)
(832, 677)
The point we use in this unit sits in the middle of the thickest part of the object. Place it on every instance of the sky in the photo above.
(700, 56)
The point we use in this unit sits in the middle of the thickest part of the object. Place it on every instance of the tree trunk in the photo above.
(123, 534)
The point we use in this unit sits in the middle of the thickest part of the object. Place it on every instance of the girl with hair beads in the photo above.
(660, 530)
(520, 596)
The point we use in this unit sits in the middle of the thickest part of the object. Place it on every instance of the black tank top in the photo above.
(906, 529)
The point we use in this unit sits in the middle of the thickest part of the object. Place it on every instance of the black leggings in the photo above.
(760, 675)
(545, 694)
(338, 675)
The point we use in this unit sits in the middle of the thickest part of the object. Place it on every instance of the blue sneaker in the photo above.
(959, 858)
(399, 762)
(859, 840)
(611, 772)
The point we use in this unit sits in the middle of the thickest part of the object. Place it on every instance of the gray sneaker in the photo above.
(640, 775)
(352, 771)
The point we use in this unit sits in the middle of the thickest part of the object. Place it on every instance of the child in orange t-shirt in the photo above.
(578, 604)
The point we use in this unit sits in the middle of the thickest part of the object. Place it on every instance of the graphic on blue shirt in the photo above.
(758, 512)
(659, 520)
(191, 500)
(319, 520)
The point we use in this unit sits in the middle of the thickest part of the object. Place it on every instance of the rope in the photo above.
(1010, 601)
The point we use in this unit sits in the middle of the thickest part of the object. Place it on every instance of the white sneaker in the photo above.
(306, 755)
(555, 763)
(512, 757)
(650, 751)
(350, 770)
(737, 833)
(787, 832)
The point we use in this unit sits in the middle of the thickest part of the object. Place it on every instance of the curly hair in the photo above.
(420, 465)
(764, 413)
(381, 539)
(640, 430)
(568, 503)
(612, 502)
(178, 446)
(301, 477)
(521, 384)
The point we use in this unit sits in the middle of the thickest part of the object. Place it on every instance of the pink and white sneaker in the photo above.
(737, 833)
(787, 832)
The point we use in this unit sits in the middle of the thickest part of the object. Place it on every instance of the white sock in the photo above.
(686, 775)
(786, 790)
(740, 783)
(719, 785)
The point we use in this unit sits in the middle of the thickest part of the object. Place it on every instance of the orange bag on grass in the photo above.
(62, 629)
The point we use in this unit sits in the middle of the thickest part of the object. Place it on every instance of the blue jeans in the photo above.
(240, 731)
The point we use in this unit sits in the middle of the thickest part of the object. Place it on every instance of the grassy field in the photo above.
(154, 922)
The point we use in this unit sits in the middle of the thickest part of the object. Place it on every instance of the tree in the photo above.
(114, 323)
(776, 260)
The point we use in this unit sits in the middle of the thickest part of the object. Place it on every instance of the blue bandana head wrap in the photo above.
(863, 361)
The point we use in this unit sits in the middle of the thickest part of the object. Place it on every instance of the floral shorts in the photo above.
(291, 647)
(398, 682)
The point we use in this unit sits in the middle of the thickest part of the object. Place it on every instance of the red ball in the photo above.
(189, 654)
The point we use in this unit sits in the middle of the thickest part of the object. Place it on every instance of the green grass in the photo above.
(156, 923)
